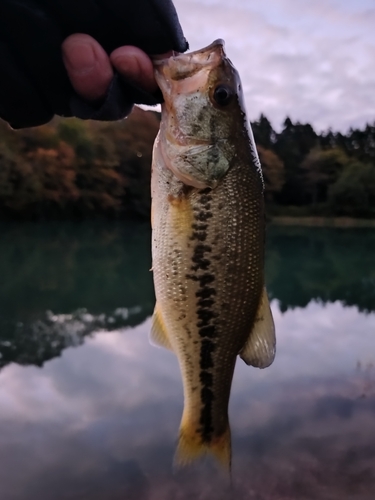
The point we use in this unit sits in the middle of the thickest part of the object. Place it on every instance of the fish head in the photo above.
(203, 114)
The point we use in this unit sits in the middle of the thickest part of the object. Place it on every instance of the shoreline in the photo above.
(313, 221)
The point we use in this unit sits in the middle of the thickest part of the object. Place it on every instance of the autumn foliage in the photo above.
(75, 169)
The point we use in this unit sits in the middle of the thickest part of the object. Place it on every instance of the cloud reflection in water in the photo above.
(101, 421)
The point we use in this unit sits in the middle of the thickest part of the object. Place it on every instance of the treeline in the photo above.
(307, 173)
(75, 169)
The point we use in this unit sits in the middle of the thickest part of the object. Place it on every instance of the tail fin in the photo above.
(191, 446)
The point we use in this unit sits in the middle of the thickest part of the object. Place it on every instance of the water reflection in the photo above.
(96, 276)
(60, 282)
(100, 421)
(325, 264)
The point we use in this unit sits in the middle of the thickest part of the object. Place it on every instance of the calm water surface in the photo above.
(89, 410)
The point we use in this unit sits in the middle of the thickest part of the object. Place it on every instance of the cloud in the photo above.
(311, 60)
(114, 404)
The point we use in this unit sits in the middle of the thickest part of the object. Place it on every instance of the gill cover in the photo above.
(200, 91)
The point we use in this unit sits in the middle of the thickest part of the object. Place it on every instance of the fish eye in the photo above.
(223, 95)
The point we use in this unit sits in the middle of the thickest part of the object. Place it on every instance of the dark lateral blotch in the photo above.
(205, 303)
(207, 396)
(206, 378)
(199, 227)
(207, 331)
(205, 199)
(200, 263)
(200, 249)
(207, 348)
(204, 216)
(206, 278)
(200, 236)
(205, 292)
(205, 315)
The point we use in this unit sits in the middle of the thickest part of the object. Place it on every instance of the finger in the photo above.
(134, 64)
(88, 66)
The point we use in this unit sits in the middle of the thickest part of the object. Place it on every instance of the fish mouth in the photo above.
(179, 67)
(216, 46)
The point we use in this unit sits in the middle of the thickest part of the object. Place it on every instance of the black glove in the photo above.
(34, 84)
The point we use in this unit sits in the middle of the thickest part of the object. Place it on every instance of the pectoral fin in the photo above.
(158, 334)
(260, 348)
(206, 163)
(200, 166)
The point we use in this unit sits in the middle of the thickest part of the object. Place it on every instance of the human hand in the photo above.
(36, 34)
(90, 69)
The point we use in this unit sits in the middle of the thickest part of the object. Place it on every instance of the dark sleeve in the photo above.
(34, 84)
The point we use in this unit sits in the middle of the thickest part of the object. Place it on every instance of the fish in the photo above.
(208, 236)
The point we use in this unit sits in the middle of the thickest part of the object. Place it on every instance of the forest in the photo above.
(71, 169)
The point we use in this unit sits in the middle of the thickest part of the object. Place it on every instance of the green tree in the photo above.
(76, 134)
(320, 169)
(354, 191)
(292, 145)
(264, 134)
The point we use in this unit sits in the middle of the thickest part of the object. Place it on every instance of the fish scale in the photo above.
(207, 246)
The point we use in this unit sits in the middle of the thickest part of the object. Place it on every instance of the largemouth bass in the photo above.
(207, 242)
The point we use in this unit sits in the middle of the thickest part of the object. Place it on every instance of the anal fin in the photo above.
(158, 334)
(260, 347)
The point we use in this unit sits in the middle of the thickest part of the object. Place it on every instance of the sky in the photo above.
(311, 60)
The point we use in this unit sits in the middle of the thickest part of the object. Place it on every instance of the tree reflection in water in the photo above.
(324, 264)
(100, 421)
(63, 281)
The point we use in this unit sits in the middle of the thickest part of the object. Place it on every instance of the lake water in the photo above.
(90, 410)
